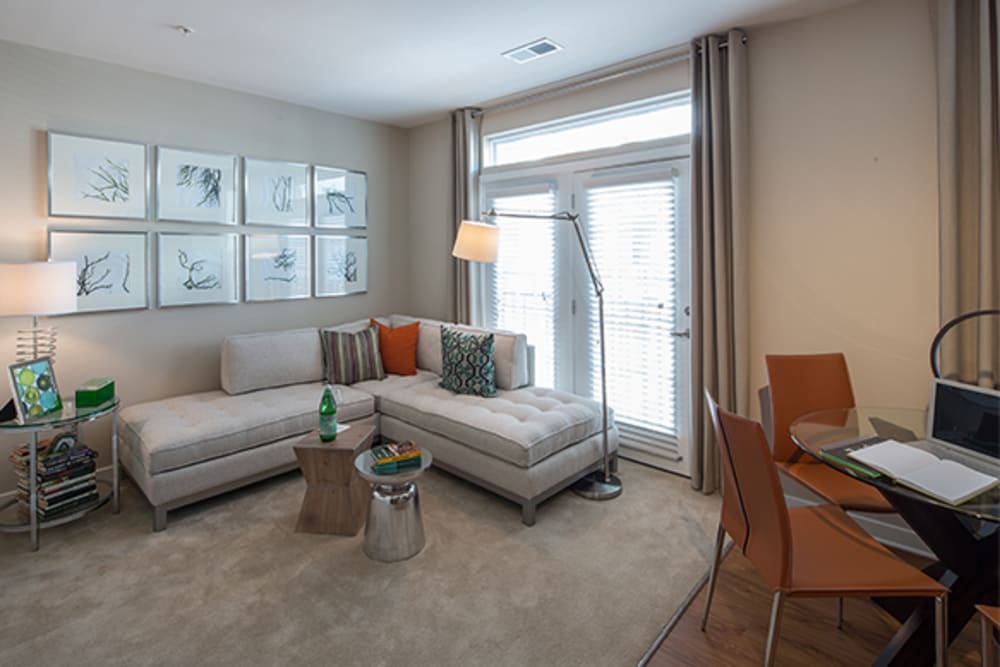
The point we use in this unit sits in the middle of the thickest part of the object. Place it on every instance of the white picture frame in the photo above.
(340, 198)
(341, 265)
(112, 267)
(90, 177)
(277, 266)
(195, 186)
(197, 269)
(275, 193)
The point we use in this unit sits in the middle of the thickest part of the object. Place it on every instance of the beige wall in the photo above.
(844, 195)
(431, 232)
(158, 353)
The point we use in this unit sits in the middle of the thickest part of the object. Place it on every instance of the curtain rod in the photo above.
(587, 83)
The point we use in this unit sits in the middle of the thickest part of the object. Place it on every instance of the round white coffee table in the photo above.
(394, 530)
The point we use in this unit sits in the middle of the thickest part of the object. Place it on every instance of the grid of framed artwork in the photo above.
(319, 247)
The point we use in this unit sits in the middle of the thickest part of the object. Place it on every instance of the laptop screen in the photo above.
(967, 416)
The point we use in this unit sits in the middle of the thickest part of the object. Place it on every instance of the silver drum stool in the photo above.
(394, 530)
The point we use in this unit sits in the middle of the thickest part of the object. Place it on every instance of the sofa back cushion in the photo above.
(271, 359)
(510, 350)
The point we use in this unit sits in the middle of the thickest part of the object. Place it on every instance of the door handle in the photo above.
(681, 334)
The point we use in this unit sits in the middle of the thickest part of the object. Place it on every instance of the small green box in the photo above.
(94, 392)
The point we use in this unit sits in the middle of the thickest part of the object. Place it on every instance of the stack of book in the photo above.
(66, 480)
(397, 457)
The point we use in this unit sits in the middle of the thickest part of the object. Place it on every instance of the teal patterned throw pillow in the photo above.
(467, 365)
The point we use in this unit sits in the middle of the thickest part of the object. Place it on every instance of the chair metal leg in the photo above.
(941, 630)
(988, 648)
(775, 628)
(840, 613)
(720, 537)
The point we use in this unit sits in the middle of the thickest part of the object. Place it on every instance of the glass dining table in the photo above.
(963, 537)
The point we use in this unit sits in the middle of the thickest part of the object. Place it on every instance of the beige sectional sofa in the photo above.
(525, 444)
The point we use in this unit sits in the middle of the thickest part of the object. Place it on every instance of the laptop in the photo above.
(965, 419)
(963, 424)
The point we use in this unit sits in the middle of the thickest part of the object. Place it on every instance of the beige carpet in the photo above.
(231, 583)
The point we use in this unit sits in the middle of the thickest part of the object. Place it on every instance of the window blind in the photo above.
(522, 286)
(632, 227)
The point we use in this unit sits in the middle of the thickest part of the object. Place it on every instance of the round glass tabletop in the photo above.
(363, 464)
(818, 433)
(69, 414)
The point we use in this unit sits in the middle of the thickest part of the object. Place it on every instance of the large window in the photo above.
(633, 211)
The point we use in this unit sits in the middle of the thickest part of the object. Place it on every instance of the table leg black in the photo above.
(968, 549)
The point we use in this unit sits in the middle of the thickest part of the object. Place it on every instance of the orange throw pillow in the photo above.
(399, 347)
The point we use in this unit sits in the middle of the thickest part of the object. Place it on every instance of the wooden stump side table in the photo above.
(336, 500)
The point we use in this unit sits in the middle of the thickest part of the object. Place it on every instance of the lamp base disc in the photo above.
(595, 487)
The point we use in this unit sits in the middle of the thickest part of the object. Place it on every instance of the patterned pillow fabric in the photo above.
(352, 357)
(467, 363)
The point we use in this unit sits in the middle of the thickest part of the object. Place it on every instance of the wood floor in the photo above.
(737, 628)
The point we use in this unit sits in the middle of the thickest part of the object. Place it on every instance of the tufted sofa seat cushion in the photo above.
(178, 432)
(522, 426)
(392, 383)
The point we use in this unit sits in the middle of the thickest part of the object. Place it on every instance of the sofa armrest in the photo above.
(531, 365)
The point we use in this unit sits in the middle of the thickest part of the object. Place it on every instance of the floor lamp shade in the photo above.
(476, 242)
(37, 288)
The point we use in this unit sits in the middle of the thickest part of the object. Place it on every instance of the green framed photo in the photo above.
(33, 385)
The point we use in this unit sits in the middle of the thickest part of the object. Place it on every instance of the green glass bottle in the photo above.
(327, 416)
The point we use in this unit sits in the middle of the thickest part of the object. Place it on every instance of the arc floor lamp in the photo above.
(477, 241)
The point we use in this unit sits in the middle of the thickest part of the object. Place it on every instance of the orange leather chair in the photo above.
(812, 551)
(804, 383)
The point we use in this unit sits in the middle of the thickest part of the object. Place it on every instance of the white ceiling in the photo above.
(394, 61)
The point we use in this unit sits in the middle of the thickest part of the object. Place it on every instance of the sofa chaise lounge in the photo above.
(525, 444)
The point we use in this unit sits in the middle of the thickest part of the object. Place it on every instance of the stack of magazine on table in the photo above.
(66, 478)
(397, 457)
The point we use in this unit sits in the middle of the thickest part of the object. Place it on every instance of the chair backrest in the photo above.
(768, 542)
(733, 516)
(800, 384)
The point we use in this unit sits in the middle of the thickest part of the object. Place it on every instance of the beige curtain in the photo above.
(719, 219)
(465, 173)
(969, 185)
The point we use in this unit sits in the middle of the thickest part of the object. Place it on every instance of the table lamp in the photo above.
(37, 289)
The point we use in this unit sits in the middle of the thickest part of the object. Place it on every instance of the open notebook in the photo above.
(948, 481)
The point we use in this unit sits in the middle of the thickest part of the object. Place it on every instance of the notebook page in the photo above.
(949, 481)
(894, 458)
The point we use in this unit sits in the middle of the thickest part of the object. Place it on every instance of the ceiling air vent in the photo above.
(532, 50)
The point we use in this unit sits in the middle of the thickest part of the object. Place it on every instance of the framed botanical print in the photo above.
(340, 198)
(197, 268)
(111, 267)
(96, 178)
(276, 193)
(341, 265)
(278, 266)
(192, 186)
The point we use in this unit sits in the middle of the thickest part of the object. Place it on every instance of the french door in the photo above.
(635, 219)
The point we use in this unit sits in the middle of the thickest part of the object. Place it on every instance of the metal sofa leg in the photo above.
(613, 462)
(159, 519)
(528, 513)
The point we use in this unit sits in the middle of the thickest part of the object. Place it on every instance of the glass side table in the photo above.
(69, 417)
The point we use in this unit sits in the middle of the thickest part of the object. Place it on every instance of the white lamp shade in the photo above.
(476, 242)
(37, 288)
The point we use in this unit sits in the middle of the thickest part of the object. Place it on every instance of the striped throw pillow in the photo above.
(352, 357)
